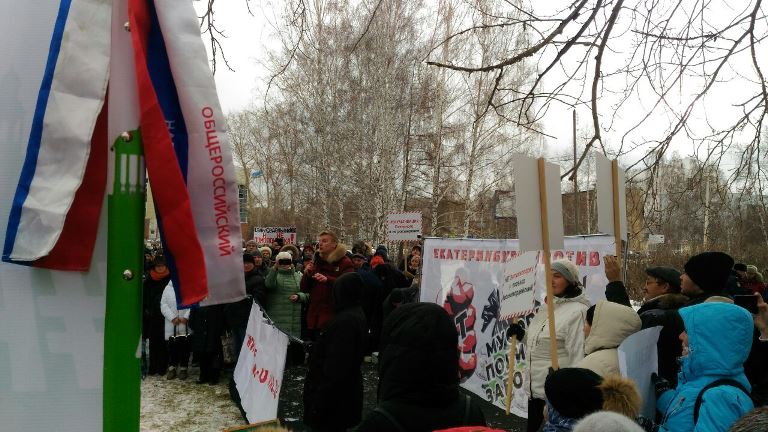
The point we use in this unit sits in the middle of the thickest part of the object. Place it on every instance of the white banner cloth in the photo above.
(465, 276)
(259, 371)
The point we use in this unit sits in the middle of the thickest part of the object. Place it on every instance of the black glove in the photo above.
(516, 330)
(660, 385)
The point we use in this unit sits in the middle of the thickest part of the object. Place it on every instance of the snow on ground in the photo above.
(182, 405)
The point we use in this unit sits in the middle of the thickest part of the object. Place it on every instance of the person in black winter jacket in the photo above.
(661, 295)
(333, 389)
(419, 374)
(236, 314)
(207, 325)
(153, 319)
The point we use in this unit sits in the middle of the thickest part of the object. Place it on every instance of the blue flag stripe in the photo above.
(33, 145)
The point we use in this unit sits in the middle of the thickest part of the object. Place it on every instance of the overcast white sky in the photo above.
(249, 36)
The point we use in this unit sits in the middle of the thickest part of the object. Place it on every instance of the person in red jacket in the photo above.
(329, 263)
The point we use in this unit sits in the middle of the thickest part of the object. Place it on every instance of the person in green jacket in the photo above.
(283, 306)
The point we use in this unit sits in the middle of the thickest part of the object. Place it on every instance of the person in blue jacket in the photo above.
(716, 342)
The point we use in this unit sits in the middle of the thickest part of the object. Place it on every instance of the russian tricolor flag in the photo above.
(56, 208)
(182, 119)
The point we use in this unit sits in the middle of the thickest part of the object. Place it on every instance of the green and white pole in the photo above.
(125, 252)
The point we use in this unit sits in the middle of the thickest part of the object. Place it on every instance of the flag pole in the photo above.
(122, 326)
(547, 263)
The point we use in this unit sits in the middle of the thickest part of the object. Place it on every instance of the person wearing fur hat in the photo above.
(266, 254)
(753, 280)
(606, 326)
(716, 342)
(328, 264)
(661, 299)
(571, 305)
(283, 303)
(154, 321)
(252, 247)
(574, 393)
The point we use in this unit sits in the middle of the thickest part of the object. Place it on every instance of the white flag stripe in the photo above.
(74, 102)
(210, 171)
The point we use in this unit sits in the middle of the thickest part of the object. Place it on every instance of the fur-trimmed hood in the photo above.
(620, 395)
(666, 302)
(293, 250)
(335, 256)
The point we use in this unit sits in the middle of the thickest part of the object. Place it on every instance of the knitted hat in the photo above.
(159, 260)
(607, 421)
(667, 274)
(248, 258)
(740, 267)
(752, 269)
(709, 270)
(284, 256)
(357, 256)
(568, 269)
(574, 392)
(251, 242)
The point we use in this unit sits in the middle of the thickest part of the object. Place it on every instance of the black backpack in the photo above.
(716, 383)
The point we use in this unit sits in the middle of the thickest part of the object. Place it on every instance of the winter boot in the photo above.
(183, 373)
(171, 373)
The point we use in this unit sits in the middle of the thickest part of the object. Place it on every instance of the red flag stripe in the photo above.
(74, 248)
(168, 187)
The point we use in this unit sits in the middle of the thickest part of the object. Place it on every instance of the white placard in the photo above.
(517, 288)
(528, 203)
(638, 358)
(605, 198)
(266, 235)
(466, 276)
(260, 365)
(404, 226)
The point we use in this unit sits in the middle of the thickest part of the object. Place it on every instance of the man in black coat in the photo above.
(333, 390)
(237, 313)
(419, 374)
(661, 295)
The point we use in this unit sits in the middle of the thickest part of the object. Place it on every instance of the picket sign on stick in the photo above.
(540, 222)
(516, 300)
(611, 201)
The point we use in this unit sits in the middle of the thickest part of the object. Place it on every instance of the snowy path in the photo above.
(176, 405)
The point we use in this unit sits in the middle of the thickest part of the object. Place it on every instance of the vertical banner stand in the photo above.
(616, 209)
(122, 326)
(547, 264)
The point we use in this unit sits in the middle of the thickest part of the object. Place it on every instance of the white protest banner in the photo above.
(517, 288)
(260, 365)
(403, 226)
(466, 276)
(638, 358)
(266, 235)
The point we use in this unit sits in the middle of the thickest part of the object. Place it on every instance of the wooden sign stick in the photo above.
(616, 209)
(511, 366)
(547, 264)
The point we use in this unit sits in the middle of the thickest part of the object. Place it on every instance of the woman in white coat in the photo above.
(176, 333)
(571, 305)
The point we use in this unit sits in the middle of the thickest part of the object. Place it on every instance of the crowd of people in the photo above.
(341, 306)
